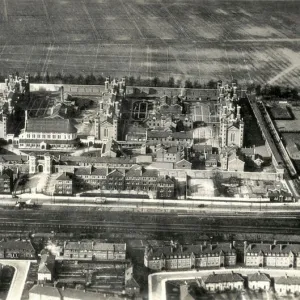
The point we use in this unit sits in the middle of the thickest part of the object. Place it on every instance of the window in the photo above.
(43, 136)
(38, 136)
(232, 137)
(58, 137)
(105, 132)
(48, 136)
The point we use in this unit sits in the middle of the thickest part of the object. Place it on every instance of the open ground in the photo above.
(201, 40)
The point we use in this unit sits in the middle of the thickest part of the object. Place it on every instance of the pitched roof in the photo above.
(248, 151)
(288, 280)
(228, 277)
(107, 160)
(47, 141)
(64, 176)
(91, 171)
(166, 180)
(50, 125)
(109, 247)
(16, 158)
(115, 173)
(274, 249)
(158, 134)
(183, 161)
(196, 249)
(259, 277)
(79, 246)
(132, 283)
(183, 135)
(82, 295)
(18, 245)
(202, 148)
(46, 291)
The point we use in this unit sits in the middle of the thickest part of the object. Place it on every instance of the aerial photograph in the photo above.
(149, 149)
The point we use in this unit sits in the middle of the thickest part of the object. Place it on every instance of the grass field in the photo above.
(198, 39)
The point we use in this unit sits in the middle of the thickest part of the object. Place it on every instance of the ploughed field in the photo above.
(199, 39)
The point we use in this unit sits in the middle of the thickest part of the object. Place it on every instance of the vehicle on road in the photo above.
(29, 204)
(100, 200)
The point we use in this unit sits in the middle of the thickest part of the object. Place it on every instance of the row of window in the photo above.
(49, 136)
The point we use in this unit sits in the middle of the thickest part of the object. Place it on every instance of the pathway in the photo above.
(18, 282)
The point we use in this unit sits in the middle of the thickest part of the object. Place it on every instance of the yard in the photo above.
(202, 40)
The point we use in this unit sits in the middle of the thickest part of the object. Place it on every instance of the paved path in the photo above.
(157, 281)
(18, 282)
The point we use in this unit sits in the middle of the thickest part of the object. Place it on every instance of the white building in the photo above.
(259, 281)
(224, 282)
(287, 285)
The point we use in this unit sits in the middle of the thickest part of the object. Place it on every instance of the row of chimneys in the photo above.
(202, 246)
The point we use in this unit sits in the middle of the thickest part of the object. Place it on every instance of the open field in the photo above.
(202, 40)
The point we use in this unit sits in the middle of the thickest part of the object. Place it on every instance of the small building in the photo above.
(224, 282)
(46, 267)
(235, 164)
(259, 281)
(211, 161)
(17, 249)
(165, 188)
(41, 292)
(132, 288)
(287, 285)
(171, 154)
(183, 164)
(5, 184)
(64, 184)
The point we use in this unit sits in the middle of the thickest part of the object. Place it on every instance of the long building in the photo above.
(176, 256)
(272, 255)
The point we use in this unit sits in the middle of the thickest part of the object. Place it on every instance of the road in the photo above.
(157, 281)
(18, 282)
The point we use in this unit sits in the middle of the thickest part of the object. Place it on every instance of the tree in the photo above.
(188, 84)
(37, 78)
(80, 79)
(178, 83)
(90, 79)
(197, 85)
(258, 90)
(211, 84)
(47, 77)
(131, 80)
(179, 126)
(155, 81)
(58, 78)
(171, 82)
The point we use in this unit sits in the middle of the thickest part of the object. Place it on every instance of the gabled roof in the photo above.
(248, 151)
(288, 280)
(259, 277)
(196, 249)
(166, 180)
(79, 246)
(50, 125)
(115, 173)
(274, 249)
(183, 135)
(109, 247)
(64, 176)
(228, 277)
(45, 291)
(17, 245)
(183, 161)
(132, 283)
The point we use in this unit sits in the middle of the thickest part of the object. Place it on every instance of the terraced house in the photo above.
(189, 256)
(272, 255)
(92, 250)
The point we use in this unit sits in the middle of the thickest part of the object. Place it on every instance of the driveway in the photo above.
(18, 282)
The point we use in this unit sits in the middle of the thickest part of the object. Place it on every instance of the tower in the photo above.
(32, 163)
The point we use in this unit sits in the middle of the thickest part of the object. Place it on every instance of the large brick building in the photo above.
(272, 255)
(188, 256)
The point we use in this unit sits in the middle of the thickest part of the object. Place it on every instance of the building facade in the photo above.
(17, 249)
(64, 184)
(224, 282)
(43, 134)
(272, 255)
(176, 257)
(259, 281)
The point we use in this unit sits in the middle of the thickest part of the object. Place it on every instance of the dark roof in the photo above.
(196, 249)
(288, 280)
(22, 245)
(132, 283)
(91, 171)
(248, 151)
(16, 158)
(46, 291)
(259, 277)
(271, 248)
(82, 295)
(201, 148)
(107, 160)
(109, 247)
(64, 176)
(115, 173)
(50, 125)
(158, 134)
(183, 161)
(228, 277)
(183, 135)
(79, 246)
(166, 180)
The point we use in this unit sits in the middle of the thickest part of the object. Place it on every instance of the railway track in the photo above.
(141, 226)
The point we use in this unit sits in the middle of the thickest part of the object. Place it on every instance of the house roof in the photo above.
(158, 134)
(106, 160)
(271, 248)
(109, 247)
(166, 180)
(49, 291)
(212, 157)
(288, 280)
(248, 151)
(38, 141)
(202, 148)
(91, 171)
(15, 158)
(64, 176)
(50, 125)
(115, 173)
(183, 161)
(132, 283)
(228, 277)
(79, 246)
(196, 249)
(82, 295)
(17, 245)
(183, 135)
(259, 277)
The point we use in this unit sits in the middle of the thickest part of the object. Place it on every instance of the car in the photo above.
(201, 205)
